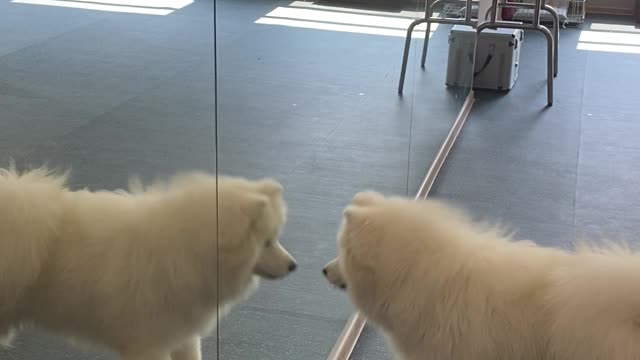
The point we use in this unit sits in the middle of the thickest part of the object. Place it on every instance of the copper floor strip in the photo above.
(351, 332)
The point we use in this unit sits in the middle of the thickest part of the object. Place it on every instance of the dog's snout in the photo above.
(324, 271)
(292, 267)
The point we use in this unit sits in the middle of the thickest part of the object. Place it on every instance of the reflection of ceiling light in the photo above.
(307, 15)
(339, 27)
(610, 38)
(609, 48)
(158, 7)
(614, 27)
(403, 13)
(340, 17)
(166, 4)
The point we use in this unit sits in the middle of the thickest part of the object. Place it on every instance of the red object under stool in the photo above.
(507, 13)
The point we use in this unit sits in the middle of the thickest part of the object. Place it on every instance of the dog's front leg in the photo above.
(155, 355)
(6, 336)
(189, 351)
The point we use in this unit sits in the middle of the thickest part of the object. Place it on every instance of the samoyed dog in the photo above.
(445, 288)
(145, 272)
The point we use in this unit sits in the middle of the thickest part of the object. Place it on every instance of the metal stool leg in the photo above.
(423, 60)
(427, 14)
(550, 57)
(405, 55)
(556, 36)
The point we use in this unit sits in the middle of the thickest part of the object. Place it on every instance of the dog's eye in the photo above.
(268, 243)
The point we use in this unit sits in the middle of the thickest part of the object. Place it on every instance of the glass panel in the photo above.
(308, 96)
(110, 89)
(440, 88)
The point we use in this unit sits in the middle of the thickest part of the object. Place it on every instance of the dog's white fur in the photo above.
(136, 271)
(445, 288)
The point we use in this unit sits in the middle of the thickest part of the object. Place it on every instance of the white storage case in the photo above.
(497, 58)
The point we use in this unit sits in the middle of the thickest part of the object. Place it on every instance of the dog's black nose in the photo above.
(324, 271)
(292, 266)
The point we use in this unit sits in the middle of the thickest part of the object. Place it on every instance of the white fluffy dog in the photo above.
(141, 272)
(445, 288)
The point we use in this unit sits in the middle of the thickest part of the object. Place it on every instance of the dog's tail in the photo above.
(30, 212)
(595, 305)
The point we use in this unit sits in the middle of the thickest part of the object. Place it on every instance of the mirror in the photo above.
(110, 90)
(308, 95)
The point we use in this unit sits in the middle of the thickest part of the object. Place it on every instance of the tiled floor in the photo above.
(113, 95)
(116, 94)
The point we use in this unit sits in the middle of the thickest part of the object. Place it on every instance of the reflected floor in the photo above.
(114, 93)
(335, 126)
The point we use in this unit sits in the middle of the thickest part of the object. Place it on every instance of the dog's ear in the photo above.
(366, 198)
(354, 216)
(254, 205)
(358, 220)
(270, 187)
